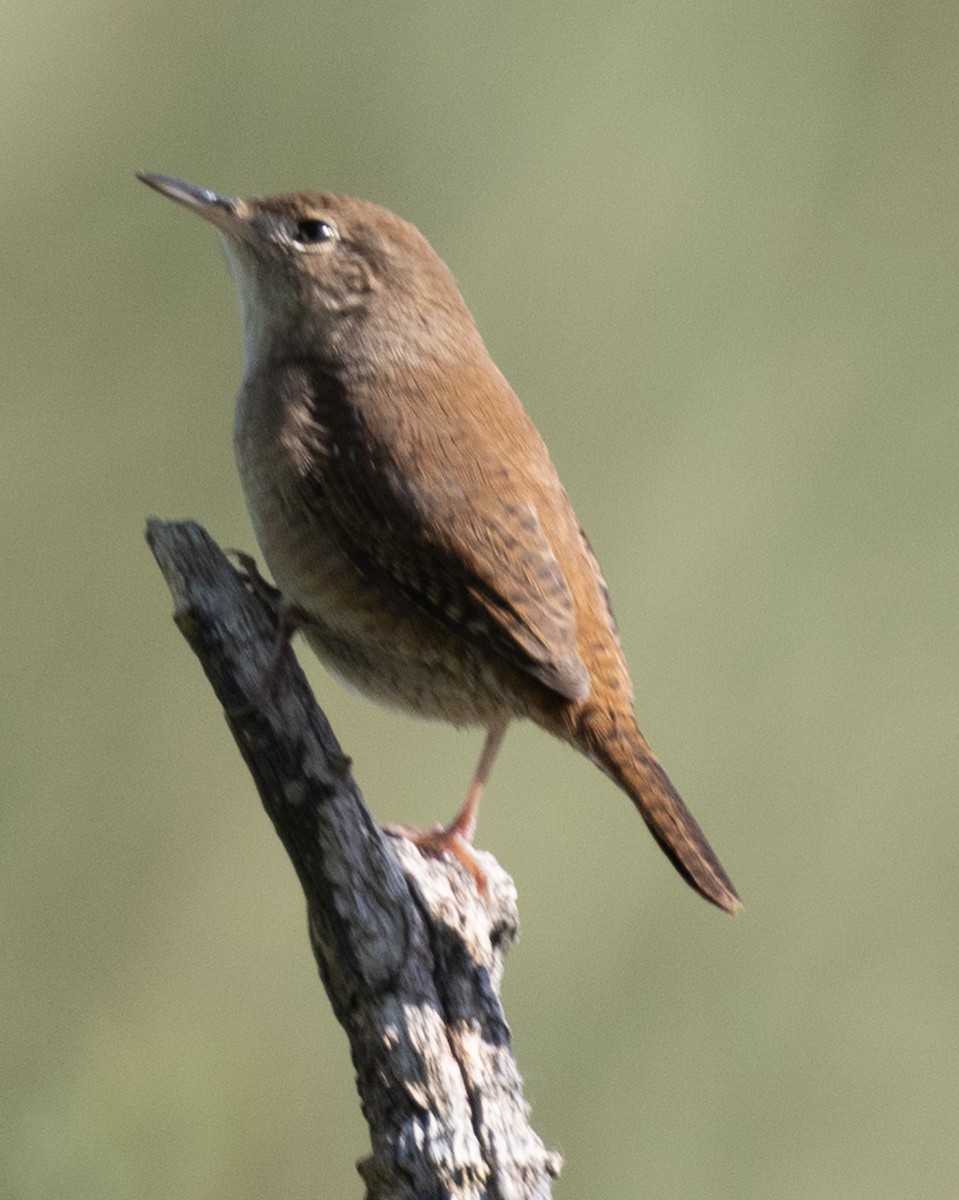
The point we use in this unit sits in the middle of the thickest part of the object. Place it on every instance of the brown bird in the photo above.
(407, 506)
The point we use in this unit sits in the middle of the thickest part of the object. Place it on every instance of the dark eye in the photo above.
(312, 230)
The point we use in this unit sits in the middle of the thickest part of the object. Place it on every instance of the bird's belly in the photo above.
(375, 638)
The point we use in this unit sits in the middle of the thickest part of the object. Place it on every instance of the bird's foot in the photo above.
(440, 841)
(288, 620)
(249, 572)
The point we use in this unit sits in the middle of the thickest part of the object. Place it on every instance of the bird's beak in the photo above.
(221, 211)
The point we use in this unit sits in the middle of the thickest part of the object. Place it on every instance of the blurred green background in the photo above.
(715, 248)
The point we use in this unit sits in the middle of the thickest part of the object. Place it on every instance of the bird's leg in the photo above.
(457, 837)
(464, 824)
(288, 617)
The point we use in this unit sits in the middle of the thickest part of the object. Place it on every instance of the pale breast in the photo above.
(376, 639)
(283, 451)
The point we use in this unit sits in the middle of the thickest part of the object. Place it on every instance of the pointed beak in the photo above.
(221, 211)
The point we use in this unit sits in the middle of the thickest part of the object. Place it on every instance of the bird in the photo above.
(409, 510)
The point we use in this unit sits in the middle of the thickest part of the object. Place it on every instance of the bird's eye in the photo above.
(311, 230)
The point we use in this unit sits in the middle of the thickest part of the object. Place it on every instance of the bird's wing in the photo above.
(459, 533)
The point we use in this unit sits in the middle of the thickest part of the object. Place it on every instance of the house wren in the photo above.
(407, 506)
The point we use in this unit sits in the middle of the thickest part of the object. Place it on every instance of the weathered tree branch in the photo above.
(410, 954)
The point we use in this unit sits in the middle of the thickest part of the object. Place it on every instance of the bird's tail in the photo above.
(619, 748)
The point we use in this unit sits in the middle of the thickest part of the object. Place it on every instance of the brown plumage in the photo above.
(405, 502)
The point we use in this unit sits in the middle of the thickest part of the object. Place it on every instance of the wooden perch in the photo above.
(410, 954)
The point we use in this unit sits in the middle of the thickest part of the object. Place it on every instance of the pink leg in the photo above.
(464, 824)
(457, 838)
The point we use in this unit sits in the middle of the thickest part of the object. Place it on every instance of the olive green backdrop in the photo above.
(714, 246)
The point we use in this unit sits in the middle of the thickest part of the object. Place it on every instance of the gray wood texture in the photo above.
(410, 953)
